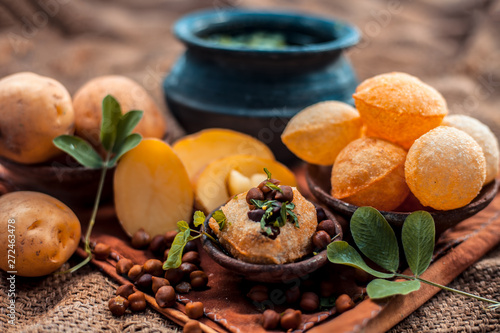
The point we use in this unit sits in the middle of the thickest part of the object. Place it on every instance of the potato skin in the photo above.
(46, 233)
(33, 111)
(87, 103)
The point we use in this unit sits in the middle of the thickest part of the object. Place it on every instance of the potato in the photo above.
(212, 185)
(46, 233)
(87, 103)
(199, 149)
(152, 189)
(33, 111)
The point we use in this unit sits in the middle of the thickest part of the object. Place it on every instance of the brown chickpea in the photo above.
(186, 268)
(199, 279)
(165, 254)
(309, 301)
(137, 301)
(344, 303)
(165, 296)
(321, 239)
(190, 246)
(125, 290)
(258, 293)
(327, 288)
(291, 319)
(140, 239)
(320, 214)
(292, 295)
(263, 185)
(169, 237)
(135, 272)
(158, 245)
(255, 194)
(144, 283)
(192, 257)
(153, 267)
(183, 287)
(270, 319)
(123, 266)
(328, 226)
(117, 305)
(194, 310)
(192, 326)
(101, 251)
(286, 194)
(158, 282)
(174, 275)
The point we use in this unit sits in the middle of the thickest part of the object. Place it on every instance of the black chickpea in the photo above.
(255, 194)
(144, 282)
(344, 303)
(158, 282)
(192, 257)
(270, 319)
(135, 272)
(321, 239)
(153, 267)
(199, 279)
(194, 310)
(291, 319)
(101, 251)
(137, 301)
(309, 301)
(140, 239)
(183, 287)
(125, 290)
(258, 293)
(165, 296)
(192, 326)
(328, 226)
(118, 305)
(123, 266)
(174, 275)
(158, 244)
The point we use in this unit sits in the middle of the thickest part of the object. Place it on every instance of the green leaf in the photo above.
(326, 303)
(130, 142)
(268, 173)
(198, 218)
(342, 253)
(418, 237)
(125, 126)
(283, 212)
(220, 218)
(274, 187)
(382, 288)
(174, 258)
(182, 225)
(80, 150)
(375, 238)
(111, 114)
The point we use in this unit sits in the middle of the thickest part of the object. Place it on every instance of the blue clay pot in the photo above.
(256, 91)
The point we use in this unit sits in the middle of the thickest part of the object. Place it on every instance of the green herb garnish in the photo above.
(376, 240)
(268, 173)
(116, 138)
(174, 258)
(220, 218)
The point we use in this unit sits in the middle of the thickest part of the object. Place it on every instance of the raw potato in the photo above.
(87, 103)
(211, 188)
(152, 189)
(318, 133)
(199, 149)
(46, 233)
(33, 110)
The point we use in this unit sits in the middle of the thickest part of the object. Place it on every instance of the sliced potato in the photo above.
(199, 149)
(212, 184)
(152, 189)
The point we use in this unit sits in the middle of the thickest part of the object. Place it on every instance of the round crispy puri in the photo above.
(242, 237)
(319, 132)
(370, 172)
(445, 168)
(483, 136)
(399, 107)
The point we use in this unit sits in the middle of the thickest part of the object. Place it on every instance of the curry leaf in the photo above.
(274, 187)
(198, 218)
(220, 218)
(174, 259)
(182, 225)
(379, 288)
(111, 114)
(268, 173)
(80, 150)
(129, 143)
(125, 126)
(341, 252)
(418, 237)
(375, 238)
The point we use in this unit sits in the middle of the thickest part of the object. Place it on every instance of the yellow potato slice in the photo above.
(199, 149)
(152, 189)
(211, 188)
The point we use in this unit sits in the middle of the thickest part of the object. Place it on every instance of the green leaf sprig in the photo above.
(376, 240)
(174, 258)
(116, 138)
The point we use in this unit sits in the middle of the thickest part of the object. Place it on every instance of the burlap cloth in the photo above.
(452, 44)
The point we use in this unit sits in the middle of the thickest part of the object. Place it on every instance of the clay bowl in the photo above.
(318, 180)
(267, 273)
(63, 179)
